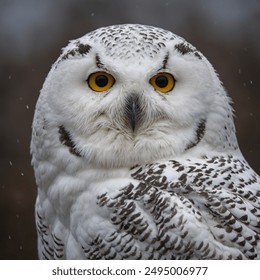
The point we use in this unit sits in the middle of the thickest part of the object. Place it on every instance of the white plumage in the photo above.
(135, 154)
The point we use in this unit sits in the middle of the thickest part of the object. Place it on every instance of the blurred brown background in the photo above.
(31, 35)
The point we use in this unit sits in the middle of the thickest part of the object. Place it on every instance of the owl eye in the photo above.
(100, 81)
(163, 82)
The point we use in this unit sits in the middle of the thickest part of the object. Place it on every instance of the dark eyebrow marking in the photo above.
(99, 62)
(165, 61)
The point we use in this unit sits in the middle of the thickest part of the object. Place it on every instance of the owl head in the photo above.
(131, 94)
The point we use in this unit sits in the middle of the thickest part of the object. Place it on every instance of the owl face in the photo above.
(132, 94)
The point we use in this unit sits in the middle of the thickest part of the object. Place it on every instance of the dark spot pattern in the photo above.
(79, 50)
(66, 140)
(52, 247)
(206, 208)
(200, 131)
(99, 63)
(173, 195)
(186, 48)
(165, 61)
(128, 41)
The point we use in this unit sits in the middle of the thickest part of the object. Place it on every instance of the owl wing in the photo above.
(207, 209)
(203, 209)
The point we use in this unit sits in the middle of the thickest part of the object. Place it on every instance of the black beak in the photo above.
(133, 111)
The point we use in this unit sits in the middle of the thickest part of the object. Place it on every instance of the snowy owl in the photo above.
(135, 154)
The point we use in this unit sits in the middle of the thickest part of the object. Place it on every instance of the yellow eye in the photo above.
(163, 82)
(100, 81)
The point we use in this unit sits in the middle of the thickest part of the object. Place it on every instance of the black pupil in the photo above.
(101, 80)
(161, 81)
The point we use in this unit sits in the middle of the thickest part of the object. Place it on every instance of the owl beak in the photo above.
(133, 111)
